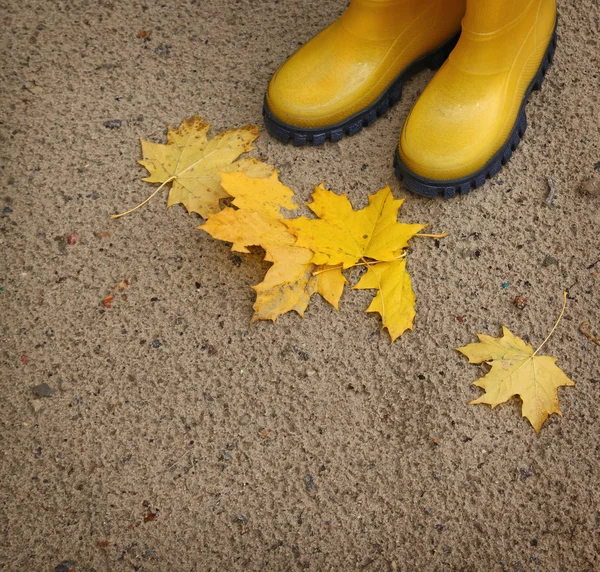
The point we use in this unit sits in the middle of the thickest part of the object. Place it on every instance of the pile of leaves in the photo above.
(309, 255)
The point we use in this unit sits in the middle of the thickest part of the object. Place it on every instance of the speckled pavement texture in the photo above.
(180, 437)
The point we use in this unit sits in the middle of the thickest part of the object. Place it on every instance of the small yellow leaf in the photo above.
(344, 236)
(516, 370)
(395, 299)
(288, 284)
(193, 163)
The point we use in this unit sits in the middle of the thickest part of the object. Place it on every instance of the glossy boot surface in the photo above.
(351, 72)
(471, 117)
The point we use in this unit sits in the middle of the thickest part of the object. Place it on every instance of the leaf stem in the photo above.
(145, 201)
(555, 325)
(442, 235)
(329, 269)
(364, 263)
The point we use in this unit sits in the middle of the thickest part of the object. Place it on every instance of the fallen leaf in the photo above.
(192, 163)
(149, 516)
(395, 299)
(371, 236)
(344, 236)
(516, 370)
(107, 301)
(143, 34)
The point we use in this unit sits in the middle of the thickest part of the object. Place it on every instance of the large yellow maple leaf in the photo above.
(344, 236)
(193, 163)
(371, 236)
(516, 370)
(258, 221)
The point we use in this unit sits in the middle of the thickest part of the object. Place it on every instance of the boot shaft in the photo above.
(385, 19)
(496, 33)
(489, 16)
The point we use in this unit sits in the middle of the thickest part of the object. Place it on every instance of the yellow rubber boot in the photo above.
(471, 117)
(351, 72)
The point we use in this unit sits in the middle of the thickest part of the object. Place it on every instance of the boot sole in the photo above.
(433, 188)
(367, 116)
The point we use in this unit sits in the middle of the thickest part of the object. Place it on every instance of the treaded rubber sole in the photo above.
(354, 124)
(448, 189)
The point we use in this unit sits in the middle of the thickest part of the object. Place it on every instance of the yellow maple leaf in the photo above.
(292, 280)
(258, 221)
(248, 228)
(287, 285)
(193, 163)
(395, 299)
(516, 370)
(344, 236)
